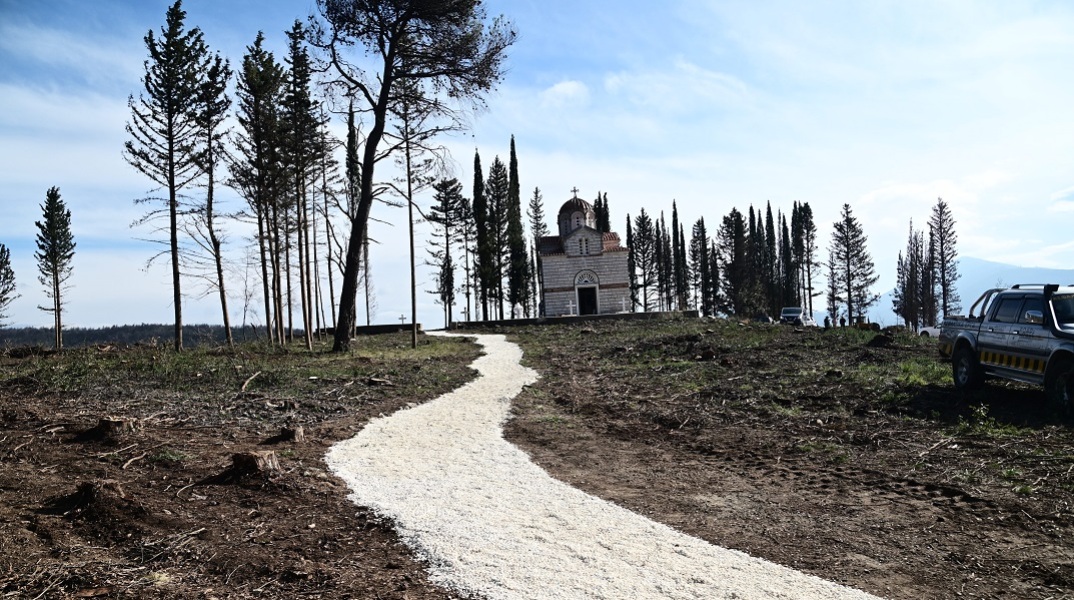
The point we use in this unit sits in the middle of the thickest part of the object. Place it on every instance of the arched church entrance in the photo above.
(586, 286)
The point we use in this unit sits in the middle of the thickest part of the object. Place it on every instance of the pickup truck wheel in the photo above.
(966, 370)
(1059, 385)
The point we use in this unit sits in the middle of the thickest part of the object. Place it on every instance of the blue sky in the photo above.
(882, 105)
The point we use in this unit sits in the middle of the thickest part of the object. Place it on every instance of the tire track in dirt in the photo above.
(491, 523)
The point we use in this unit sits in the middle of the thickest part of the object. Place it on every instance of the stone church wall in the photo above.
(559, 274)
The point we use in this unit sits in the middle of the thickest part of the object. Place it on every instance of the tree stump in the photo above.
(293, 434)
(261, 461)
(113, 429)
(90, 492)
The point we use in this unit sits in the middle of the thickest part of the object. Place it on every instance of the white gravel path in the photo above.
(493, 525)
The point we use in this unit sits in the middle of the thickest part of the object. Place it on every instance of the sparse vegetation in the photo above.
(802, 446)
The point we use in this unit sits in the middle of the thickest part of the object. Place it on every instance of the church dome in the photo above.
(575, 214)
(576, 204)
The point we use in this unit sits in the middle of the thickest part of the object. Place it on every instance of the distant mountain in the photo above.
(976, 276)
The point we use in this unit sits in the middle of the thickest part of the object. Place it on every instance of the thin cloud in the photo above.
(574, 94)
(67, 56)
(684, 88)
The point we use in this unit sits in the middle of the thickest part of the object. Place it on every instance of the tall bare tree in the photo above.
(445, 47)
(255, 168)
(164, 129)
(210, 114)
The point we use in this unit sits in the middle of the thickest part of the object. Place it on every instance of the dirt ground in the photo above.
(160, 512)
(839, 453)
(842, 454)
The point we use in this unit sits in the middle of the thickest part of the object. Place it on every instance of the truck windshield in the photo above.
(1064, 308)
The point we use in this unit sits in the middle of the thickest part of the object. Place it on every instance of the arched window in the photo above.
(586, 277)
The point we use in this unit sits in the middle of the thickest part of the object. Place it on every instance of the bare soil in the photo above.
(839, 453)
(844, 454)
(161, 512)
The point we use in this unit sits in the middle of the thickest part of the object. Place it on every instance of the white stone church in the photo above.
(584, 271)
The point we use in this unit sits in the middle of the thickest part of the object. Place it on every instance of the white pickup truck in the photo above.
(1024, 333)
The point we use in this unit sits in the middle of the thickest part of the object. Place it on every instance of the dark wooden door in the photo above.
(587, 301)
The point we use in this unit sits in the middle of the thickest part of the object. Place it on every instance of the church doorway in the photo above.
(587, 300)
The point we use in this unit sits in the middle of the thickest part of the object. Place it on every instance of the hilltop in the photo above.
(841, 453)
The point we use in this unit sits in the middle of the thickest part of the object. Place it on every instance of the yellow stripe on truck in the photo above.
(1022, 363)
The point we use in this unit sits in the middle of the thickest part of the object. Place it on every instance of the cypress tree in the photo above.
(733, 250)
(908, 295)
(773, 294)
(518, 270)
(483, 260)
(632, 272)
(497, 194)
(600, 207)
(700, 271)
(809, 253)
(55, 249)
(788, 271)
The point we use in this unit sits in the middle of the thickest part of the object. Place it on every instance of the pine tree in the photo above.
(538, 230)
(445, 214)
(928, 301)
(853, 266)
(255, 165)
(212, 111)
(834, 299)
(942, 225)
(55, 249)
(468, 237)
(446, 50)
(7, 283)
(301, 153)
(646, 267)
(164, 130)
